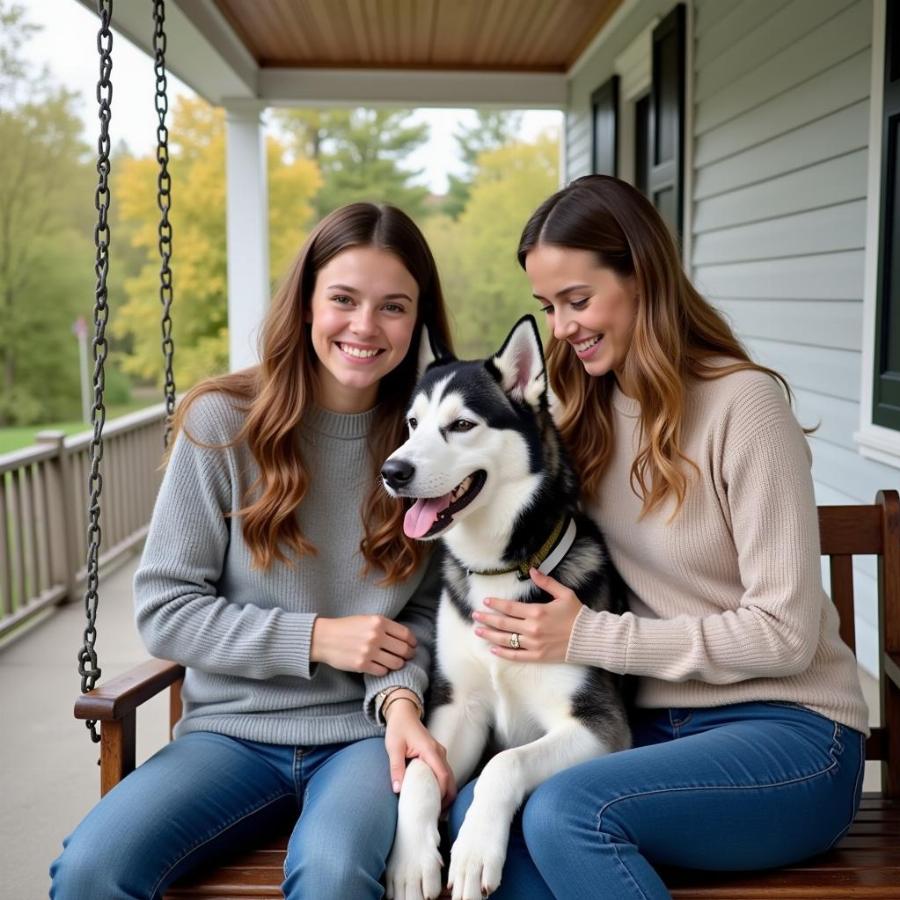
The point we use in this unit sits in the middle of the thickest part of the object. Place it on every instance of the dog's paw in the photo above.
(476, 859)
(414, 869)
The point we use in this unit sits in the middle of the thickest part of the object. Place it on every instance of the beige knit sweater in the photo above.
(727, 602)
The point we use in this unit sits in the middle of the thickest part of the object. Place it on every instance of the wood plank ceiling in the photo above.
(491, 35)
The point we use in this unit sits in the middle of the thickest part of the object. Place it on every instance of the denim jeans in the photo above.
(747, 786)
(204, 795)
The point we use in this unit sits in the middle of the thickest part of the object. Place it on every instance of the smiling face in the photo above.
(363, 316)
(590, 307)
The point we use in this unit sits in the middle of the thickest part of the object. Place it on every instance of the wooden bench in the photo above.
(866, 863)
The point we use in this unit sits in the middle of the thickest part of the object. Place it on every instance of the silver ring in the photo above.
(514, 642)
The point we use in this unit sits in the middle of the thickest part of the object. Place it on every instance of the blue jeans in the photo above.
(205, 795)
(748, 786)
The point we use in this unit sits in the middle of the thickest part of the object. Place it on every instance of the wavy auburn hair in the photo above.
(676, 335)
(276, 394)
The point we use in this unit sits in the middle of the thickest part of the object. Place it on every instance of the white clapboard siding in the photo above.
(837, 467)
(757, 45)
(841, 37)
(836, 87)
(708, 14)
(797, 321)
(729, 30)
(578, 147)
(827, 276)
(823, 184)
(833, 373)
(833, 135)
(834, 419)
(828, 230)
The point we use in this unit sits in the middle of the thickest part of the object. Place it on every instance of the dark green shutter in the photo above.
(886, 393)
(666, 183)
(605, 128)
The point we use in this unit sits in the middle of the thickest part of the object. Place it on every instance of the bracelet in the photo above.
(414, 700)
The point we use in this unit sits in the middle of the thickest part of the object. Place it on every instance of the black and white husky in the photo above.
(485, 468)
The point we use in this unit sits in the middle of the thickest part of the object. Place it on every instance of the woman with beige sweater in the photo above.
(749, 722)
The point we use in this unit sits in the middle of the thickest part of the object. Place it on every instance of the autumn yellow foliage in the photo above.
(199, 258)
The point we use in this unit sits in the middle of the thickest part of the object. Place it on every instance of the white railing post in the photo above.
(248, 230)
(61, 523)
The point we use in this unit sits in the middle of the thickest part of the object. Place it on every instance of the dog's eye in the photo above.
(462, 425)
(412, 423)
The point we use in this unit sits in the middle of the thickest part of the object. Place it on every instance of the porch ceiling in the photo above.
(489, 35)
(408, 52)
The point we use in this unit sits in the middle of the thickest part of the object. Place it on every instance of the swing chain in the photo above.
(88, 666)
(164, 201)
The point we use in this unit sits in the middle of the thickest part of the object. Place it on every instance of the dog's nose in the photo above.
(397, 472)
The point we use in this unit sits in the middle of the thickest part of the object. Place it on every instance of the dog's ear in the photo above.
(426, 352)
(520, 363)
(430, 351)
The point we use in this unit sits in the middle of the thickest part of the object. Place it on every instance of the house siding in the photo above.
(779, 168)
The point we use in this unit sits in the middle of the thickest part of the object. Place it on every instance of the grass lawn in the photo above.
(19, 437)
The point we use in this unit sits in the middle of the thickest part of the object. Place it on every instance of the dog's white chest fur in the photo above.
(523, 700)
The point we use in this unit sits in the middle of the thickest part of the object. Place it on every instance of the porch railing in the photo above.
(43, 510)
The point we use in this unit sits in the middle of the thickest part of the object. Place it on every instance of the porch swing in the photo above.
(114, 705)
(866, 863)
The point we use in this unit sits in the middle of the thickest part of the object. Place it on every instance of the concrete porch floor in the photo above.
(49, 776)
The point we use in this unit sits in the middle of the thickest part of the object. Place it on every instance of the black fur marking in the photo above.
(598, 705)
(440, 691)
(455, 583)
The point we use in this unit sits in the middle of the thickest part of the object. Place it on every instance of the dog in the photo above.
(486, 471)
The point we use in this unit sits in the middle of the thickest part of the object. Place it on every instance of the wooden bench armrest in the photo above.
(119, 697)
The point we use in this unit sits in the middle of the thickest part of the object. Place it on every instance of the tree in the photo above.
(491, 130)
(14, 34)
(199, 259)
(360, 154)
(45, 221)
(476, 253)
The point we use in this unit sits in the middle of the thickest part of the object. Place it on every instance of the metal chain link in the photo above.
(88, 666)
(164, 201)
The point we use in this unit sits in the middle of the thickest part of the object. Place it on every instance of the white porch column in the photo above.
(248, 230)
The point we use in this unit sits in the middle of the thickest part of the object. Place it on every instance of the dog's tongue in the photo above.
(421, 515)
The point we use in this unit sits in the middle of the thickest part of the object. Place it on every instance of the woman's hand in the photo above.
(371, 644)
(408, 738)
(544, 629)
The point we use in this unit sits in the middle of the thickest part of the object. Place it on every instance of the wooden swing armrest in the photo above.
(114, 704)
(121, 696)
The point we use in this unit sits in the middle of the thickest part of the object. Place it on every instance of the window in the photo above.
(886, 387)
(638, 116)
(605, 128)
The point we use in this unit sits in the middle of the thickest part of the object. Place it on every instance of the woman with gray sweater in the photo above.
(277, 572)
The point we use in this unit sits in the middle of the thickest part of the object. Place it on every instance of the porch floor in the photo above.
(49, 776)
(48, 772)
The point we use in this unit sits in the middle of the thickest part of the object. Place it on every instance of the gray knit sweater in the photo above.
(244, 634)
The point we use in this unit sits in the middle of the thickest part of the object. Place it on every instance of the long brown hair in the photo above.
(676, 335)
(276, 393)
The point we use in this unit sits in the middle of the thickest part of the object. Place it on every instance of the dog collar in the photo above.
(546, 559)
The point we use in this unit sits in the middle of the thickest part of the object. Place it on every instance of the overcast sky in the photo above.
(67, 44)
